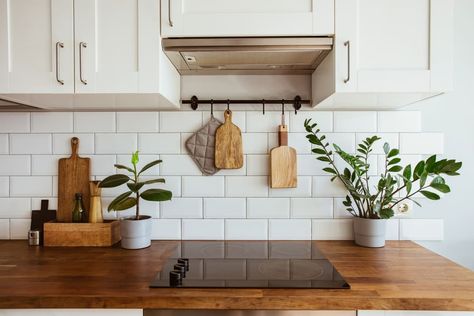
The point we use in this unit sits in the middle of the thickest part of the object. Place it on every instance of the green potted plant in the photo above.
(372, 205)
(136, 230)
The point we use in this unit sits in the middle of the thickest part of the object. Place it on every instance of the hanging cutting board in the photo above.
(73, 177)
(228, 147)
(283, 162)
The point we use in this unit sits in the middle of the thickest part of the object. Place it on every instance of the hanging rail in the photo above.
(296, 102)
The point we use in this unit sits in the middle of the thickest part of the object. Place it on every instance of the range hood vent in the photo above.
(247, 55)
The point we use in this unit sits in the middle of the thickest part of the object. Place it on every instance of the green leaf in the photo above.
(117, 200)
(395, 169)
(441, 187)
(430, 195)
(407, 172)
(386, 148)
(394, 161)
(114, 181)
(135, 187)
(126, 204)
(323, 158)
(156, 195)
(408, 186)
(430, 163)
(419, 168)
(393, 153)
(123, 167)
(423, 178)
(149, 165)
(329, 170)
(160, 180)
(318, 151)
(135, 158)
(386, 213)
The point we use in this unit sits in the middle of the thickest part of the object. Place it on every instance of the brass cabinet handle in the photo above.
(58, 46)
(348, 44)
(81, 46)
(169, 14)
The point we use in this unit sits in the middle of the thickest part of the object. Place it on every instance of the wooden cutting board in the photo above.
(73, 177)
(228, 147)
(283, 162)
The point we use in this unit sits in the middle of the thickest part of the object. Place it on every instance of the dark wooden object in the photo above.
(39, 217)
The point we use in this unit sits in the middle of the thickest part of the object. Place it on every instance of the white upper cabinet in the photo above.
(387, 53)
(193, 18)
(36, 46)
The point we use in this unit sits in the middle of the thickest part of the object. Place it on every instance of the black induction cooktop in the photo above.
(248, 264)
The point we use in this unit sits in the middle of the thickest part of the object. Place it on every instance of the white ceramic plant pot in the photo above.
(369, 232)
(136, 234)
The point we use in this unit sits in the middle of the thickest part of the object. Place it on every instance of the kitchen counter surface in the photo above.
(401, 276)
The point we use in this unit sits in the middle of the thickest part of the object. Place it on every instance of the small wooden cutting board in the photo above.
(283, 172)
(228, 147)
(73, 177)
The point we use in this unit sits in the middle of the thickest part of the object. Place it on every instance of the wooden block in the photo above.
(228, 148)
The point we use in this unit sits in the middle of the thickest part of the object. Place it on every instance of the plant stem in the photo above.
(137, 213)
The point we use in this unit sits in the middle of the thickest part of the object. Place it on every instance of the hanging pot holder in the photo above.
(201, 146)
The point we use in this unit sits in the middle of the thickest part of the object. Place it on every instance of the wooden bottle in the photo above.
(95, 211)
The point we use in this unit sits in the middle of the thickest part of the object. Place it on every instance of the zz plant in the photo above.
(132, 197)
(396, 184)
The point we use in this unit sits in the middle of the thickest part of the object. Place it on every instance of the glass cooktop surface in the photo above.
(248, 264)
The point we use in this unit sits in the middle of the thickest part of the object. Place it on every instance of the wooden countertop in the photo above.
(401, 276)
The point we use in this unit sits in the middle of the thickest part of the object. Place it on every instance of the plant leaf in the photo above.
(135, 158)
(114, 180)
(394, 161)
(323, 158)
(441, 187)
(386, 148)
(135, 187)
(407, 173)
(126, 204)
(386, 213)
(318, 151)
(430, 195)
(123, 167)
(118, 199)
(149, 165)
(329, 170)
(395, 169)
(393, 153)
(160, 180)
(156, 195)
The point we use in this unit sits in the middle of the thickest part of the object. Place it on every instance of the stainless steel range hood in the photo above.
(247, 55)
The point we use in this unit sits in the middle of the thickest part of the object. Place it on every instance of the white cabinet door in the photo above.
(188, 18)
(393, 45)
(116, 45)
(36, 46)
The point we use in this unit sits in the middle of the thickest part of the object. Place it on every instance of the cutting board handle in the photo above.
(227, 116)
(74, 146)
(283, 135)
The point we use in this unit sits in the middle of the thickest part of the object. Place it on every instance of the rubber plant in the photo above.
(396, 183)
(132, 197)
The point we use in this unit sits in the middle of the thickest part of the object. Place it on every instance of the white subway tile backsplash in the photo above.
(4, 144)
(255, 143)
(355, 121)
(15, 208)
(405, 160)
(183, 138)
(4, 229)
(144, 160)
(15, 122)
(181, 121)
(399, 121)
(344, 140)
(303, 189)
(102, 165)
(308, 165)
(4, 186)
(393, 229)
(324, 187)
(324, 120)
(166, 229)
(62, 144)
(45, 165)
(246, 229)
(19, 228)
(178, 165)
(340, 211)
(31, 186)
(341, 165)
(203, 186)
(182, 208)
(36, 203)
(225, 207)
(268, 123)
(421, 229)
(246, 186)
(421, 143)
(311, 208)
(115, 143)
(268, 208)
(51, 122)
(137, 122)
(289, 229)
(203, 229)
(164, 143)
(17, 165)
(94, 122)
(390, 138)
(258, 165)
(31, 144)
(332, 229)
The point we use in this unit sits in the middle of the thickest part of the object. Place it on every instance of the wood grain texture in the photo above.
(283, 165)
(73, 177)
(228, 148)
(401, 276)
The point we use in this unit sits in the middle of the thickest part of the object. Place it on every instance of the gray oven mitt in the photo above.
(201, 146)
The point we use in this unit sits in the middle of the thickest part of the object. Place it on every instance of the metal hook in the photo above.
(263, 106)
(282, 106)
(228, 104)
(212, 107)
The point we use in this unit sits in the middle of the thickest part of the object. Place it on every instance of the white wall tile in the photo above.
(172, 184)
(355, 121)
(390, 138)
(181, 121)
(308, 165)
(393, 229)
(203, 229)
(344, 140)
(421, 143)
(17, 165)
(311, 208)
(55, 186)
(15, 208)
(268, 208)
(36, 203)
(332, 229)
(14, 122)
(257, 122)
(45, 165)
(203, 186)
(324, 119)
(178, 165)
(405, 160)
(143, 160)
(4, 186)
(115, 143)
(166, 229)
(183, 138)
(4, 144)
(341, 165)
(246, 229)
(224, 207)
(258, 165)
(102, 165)
(182, 208)
(4, 229)
(324, 187)
(421, 229)
(30, 144)
(238, 118)
(399, 121)
(137, 122)
(302, 190)
(51, 122)
(255, 143)
(164, 143)
(62, 144)
(31, 186)
(94, 122)
(289, 229)
(340, 210)
(19, 228)
(249, 186)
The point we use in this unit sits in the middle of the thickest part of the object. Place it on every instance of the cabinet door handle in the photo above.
(81, 46)
(169, 14)
(348, 44)
(58, 46)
